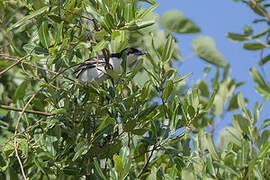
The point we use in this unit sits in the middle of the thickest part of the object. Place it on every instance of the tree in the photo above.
(142, 123)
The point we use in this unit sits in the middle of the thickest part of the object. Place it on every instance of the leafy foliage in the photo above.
(141, 124)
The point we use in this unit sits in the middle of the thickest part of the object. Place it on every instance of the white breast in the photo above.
(91, 74)
(98, 73)
(116, 64)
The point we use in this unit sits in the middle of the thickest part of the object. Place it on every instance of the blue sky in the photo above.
(215, 18)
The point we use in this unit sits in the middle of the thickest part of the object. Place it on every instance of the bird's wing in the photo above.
(89, 63)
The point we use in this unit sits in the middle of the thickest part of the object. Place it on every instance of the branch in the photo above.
(28, 111)
(105, 51)
(26, 130)
(16, 131)
(11, 66)
(147, 162)
(266, 16)
(6, 57)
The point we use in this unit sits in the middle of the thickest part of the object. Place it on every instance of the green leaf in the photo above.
(101, 45)
(251, 166)
(174, 21)
(211, 147)
(194, 98)
(115, 34)
(244, 153)
(43, 33)
(240, 123)
(130, 125)
(34, 14)
(113, 8)
(203, 88)
(141, 25)
(248, 30)
(191, 111)
(214, 81)
(153, 174)
(256, 112)
(258, 9)
(71, 171)
(168, 49)
(262, 87)
(258, 79)
(237, 37)
(265, 124)
(99, 170)
(228, 169)
(40, 165)
(128, 12)
(109, 21)
(138, 66)
(59, 32)
(80, 150)
(168, 89)
(4, 164)
(106, 122)
(118, 164)
(152, 74)
(264, 60)
(263, 91)
(233, 103)
(211, 100)
(210, 166)
(59, 111)
(169, 73)
(23, 146)
(179, 79)
(146, 111)
(140, 131)
(147, 11)
(35, 50)
(264, 151)
(20, 91)
(242, 105)
(82, 45)
(113, 74)
(205, 48)
(188, 173)
(253, 46)
(150, 1)
(263, 32)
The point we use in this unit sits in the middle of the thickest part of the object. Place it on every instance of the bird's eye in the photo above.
(130, 50)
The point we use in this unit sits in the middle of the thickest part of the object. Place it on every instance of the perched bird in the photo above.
(94, 68)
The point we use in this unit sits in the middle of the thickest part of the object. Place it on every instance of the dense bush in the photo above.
(143, 123)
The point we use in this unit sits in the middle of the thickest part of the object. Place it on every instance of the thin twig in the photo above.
(147, 162)
(27, 111)
(26, 130)
(266, 16)
(16, 132)
(11, 66)
(105, 51)
(6, 57)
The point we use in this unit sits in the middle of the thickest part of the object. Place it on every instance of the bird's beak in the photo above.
(140, 53)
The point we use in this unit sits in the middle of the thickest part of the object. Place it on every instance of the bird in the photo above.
(93, 69)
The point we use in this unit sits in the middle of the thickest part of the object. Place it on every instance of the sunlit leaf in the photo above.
(205, 48)
(174, 21)
(34, 14)
(168, 49)
(168, 89)
(237, 37)
(253, 46)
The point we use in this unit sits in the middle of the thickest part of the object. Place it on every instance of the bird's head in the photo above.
(132, 54)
